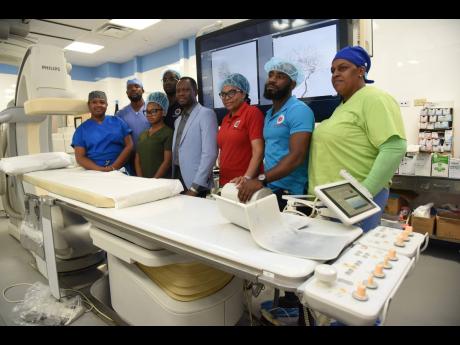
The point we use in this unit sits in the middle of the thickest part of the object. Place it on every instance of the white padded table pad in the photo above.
(103, 189)
(197, 223)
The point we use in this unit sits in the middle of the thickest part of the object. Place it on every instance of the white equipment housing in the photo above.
(43, 88)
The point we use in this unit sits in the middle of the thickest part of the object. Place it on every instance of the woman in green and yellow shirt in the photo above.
(365, 134)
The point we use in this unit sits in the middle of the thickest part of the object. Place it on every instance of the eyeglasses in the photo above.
(164, 80)
(229, 94)
(153, 111)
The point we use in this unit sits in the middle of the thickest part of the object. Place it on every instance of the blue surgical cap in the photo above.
(236, 80)
(173, 71)
(287, 67)
(159, 98)
(134, 81)
(358, 56)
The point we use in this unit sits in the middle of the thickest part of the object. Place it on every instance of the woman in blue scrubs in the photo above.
(102, 143)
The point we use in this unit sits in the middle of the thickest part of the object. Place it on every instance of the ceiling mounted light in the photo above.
(81, 47)
(281, 24)
(299, 22)
(138, 24)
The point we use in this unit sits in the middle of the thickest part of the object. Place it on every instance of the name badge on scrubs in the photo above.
(237, 123)
(280, 119)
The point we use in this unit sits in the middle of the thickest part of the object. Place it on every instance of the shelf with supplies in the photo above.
(436, 127)
(407, 192)
(426, 183)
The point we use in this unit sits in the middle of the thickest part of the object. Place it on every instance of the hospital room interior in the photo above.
(229, 172)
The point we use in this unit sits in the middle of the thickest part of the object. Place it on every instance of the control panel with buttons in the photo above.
(356, 287)
(404, 242)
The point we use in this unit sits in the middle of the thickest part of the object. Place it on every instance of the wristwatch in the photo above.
(263, 179)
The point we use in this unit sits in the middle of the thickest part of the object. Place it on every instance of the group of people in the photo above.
(171, 135)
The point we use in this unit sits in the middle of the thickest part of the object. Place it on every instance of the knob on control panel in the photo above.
(370, 282)
(378, 271)
(405, 236)
(386, 264)
(400, 241)
(409, 229)
(392, 255)
(326, 273)
(360, 293)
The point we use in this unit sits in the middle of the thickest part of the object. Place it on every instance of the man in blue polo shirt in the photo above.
(287, 131)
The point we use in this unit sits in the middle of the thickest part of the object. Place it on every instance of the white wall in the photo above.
(418, 58)
(7, 89)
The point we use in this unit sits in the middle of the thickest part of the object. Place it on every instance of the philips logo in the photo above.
(51, 68)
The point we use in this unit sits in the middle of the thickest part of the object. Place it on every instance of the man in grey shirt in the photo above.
(194, 141)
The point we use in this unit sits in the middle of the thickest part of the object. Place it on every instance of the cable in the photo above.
(85, 300)
(295, 212)
(90, 304)
(12, 286)
(280, 308)
(291, 208)
(246, 287)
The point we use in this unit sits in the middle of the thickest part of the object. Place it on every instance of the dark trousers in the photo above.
(178, 175)
(290, 299)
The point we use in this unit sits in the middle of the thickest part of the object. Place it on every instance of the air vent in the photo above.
(115, 31)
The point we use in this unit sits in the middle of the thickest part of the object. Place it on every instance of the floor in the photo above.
(429, 296)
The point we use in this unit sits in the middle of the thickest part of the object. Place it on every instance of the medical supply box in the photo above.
(407, 165)
(422, 164)
(454, 168)
(448, 225)
(440, 165)
(423, 225)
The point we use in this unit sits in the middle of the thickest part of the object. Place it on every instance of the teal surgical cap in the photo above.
(159, 98)
(236, 80)
(287, 67)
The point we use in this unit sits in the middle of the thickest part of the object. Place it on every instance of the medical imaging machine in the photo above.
(178, 260)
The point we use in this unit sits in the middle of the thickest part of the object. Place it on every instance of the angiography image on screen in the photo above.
(237, 59)
(313, 50)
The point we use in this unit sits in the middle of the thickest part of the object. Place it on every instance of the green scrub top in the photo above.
(151, 150)
(350, 138)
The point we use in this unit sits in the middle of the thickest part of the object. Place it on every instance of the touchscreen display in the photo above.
(348, 199)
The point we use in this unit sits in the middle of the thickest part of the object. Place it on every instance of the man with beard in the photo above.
(134, 113)
(287, 131)
(134, 116)
(170, 79)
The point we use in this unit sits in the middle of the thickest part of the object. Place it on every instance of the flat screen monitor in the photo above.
(246, 47)
(346, 201)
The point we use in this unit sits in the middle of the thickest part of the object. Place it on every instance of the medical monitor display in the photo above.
(238, 59)
(247, 46)
(348, 199)
(312, 51)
